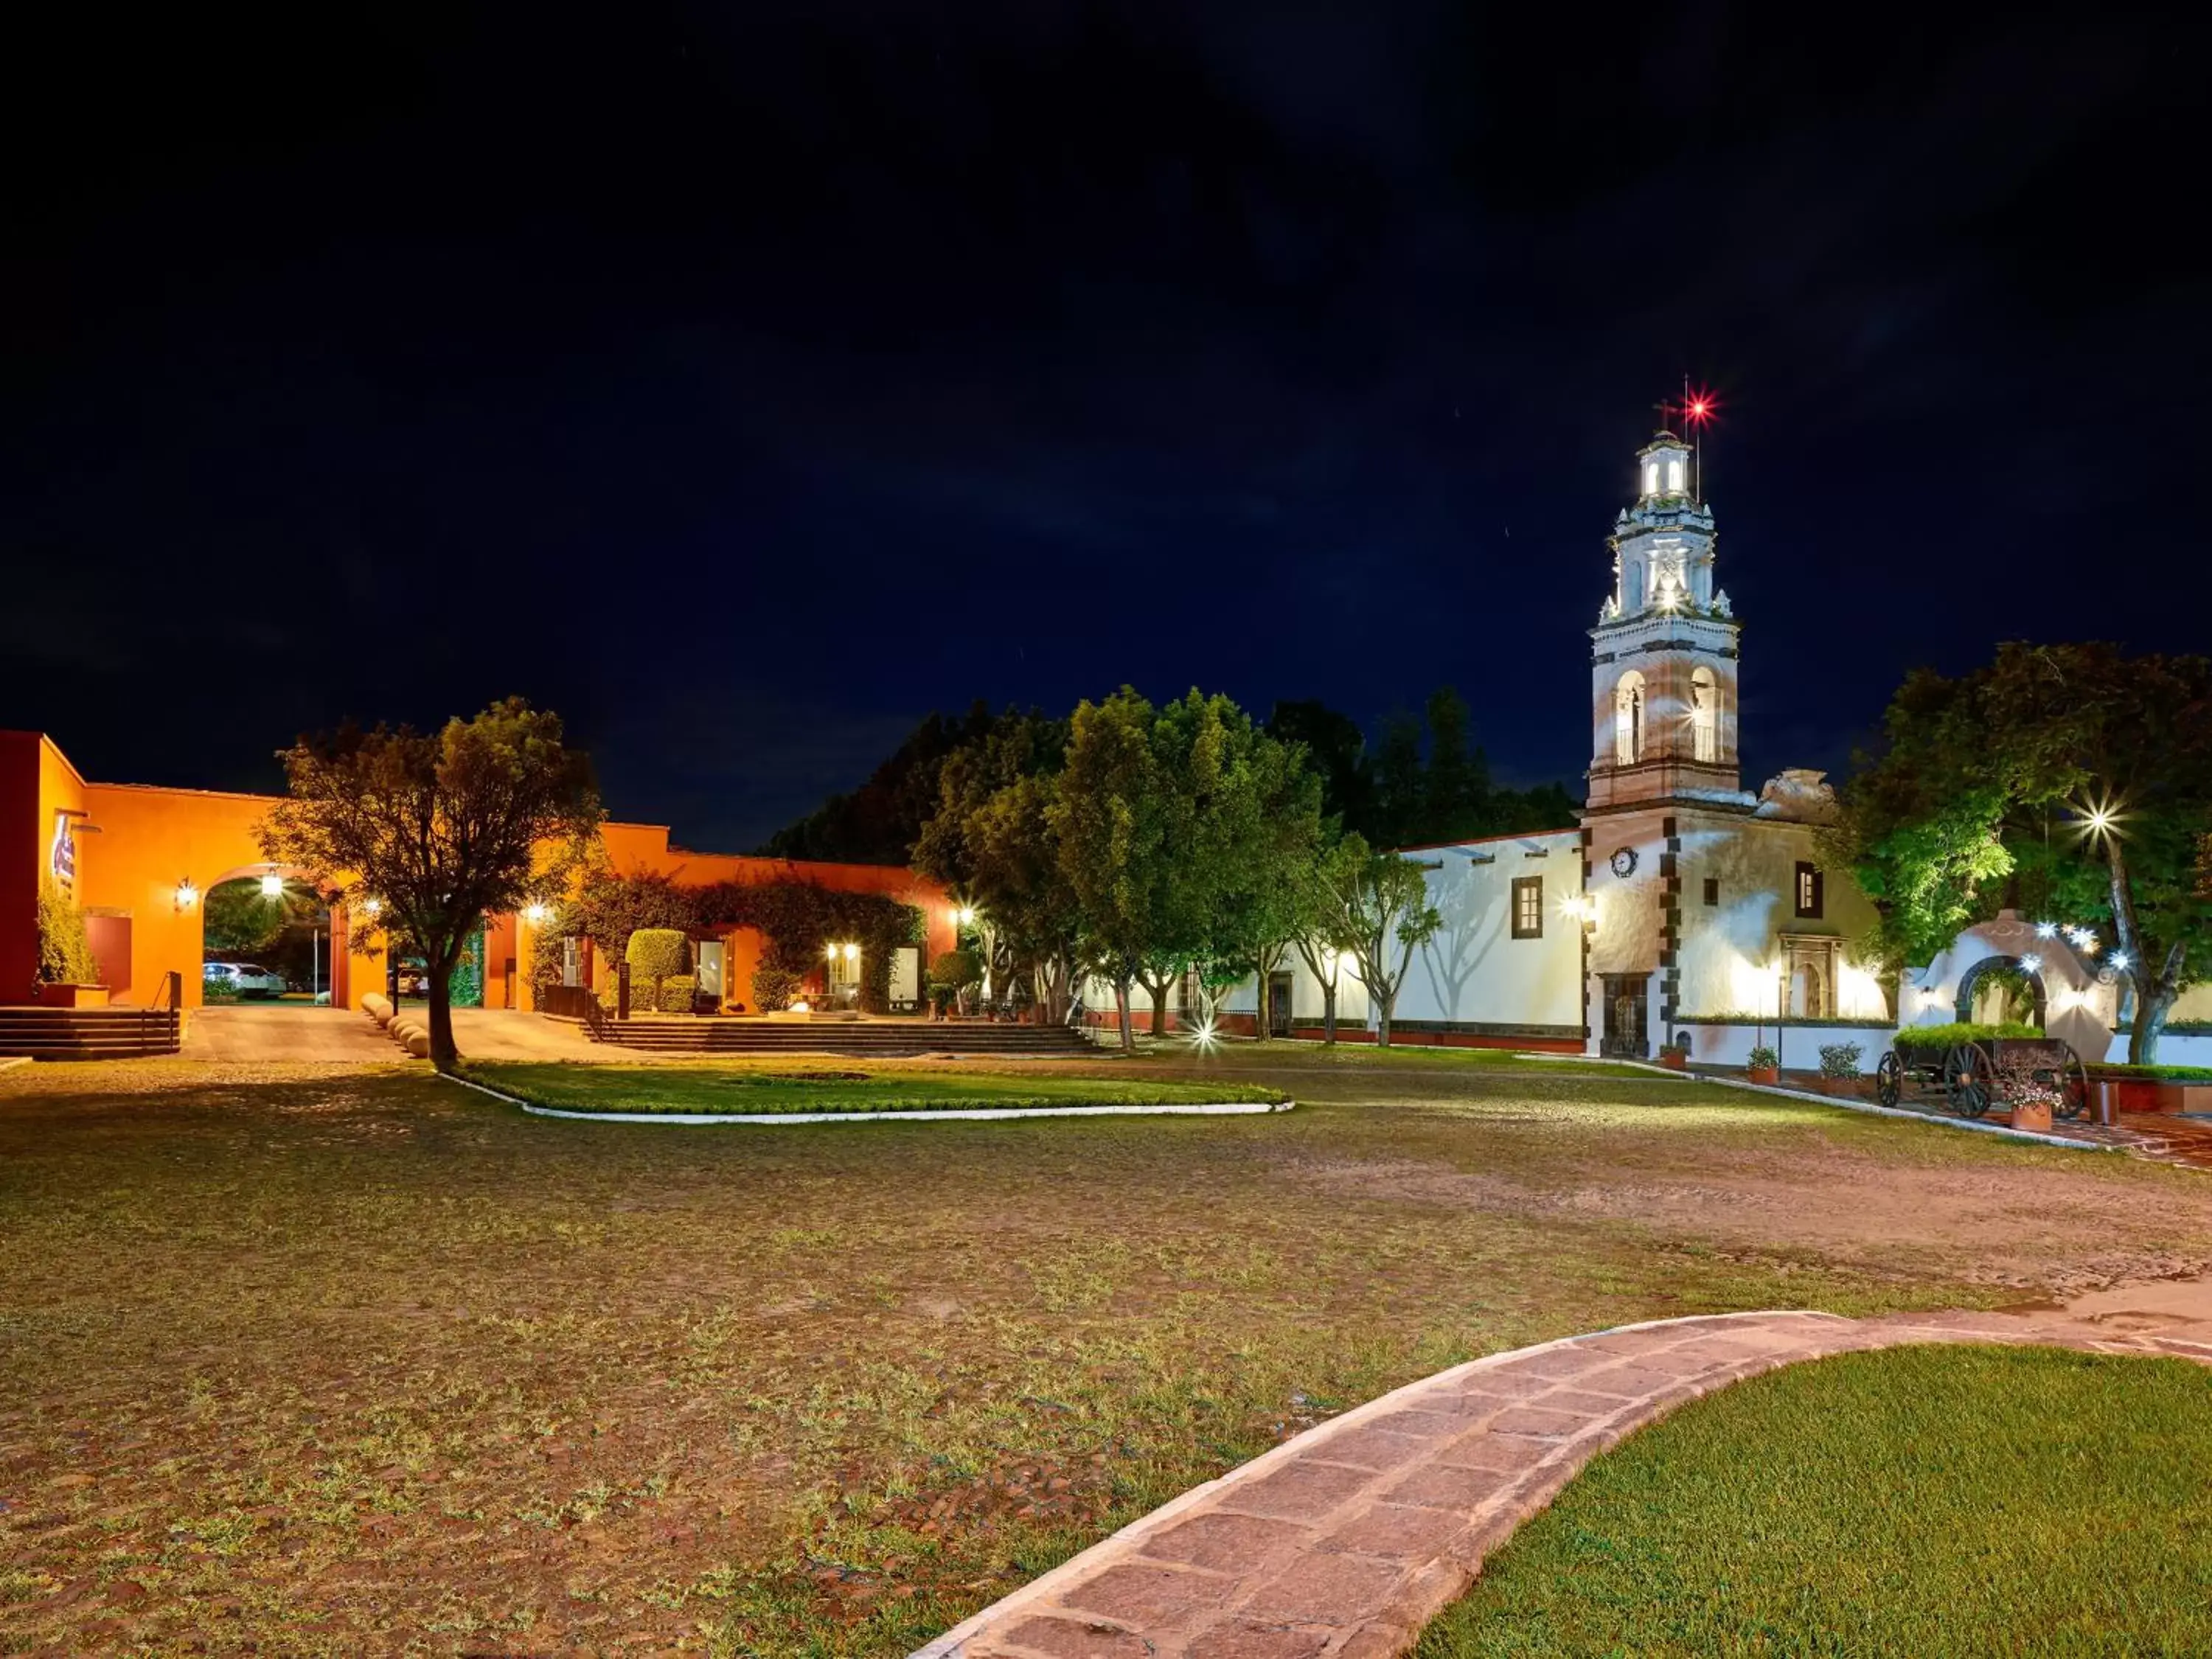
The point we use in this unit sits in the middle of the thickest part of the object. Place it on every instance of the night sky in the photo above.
(744, 382)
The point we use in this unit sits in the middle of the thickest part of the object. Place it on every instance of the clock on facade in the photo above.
(1623, 862)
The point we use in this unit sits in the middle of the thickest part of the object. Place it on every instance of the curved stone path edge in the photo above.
(1344, 1542)
(957, 1114)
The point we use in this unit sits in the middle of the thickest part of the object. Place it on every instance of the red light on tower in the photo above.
(1699, 407)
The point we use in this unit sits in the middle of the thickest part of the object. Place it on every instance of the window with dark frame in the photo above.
(1808, 890)
(1712, 889)
(1529, 907)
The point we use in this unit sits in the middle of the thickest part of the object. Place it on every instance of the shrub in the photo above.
(1839, 1060)
(654, 954)
(677, 992)
(773, 988)
(64, 956)
(956, 970)
(2154, 1074)
(1764, 1058)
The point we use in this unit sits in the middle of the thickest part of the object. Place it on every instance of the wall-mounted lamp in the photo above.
(187, 895)
(965, 916)
(272, 886)
(852, 953)
(536, 915)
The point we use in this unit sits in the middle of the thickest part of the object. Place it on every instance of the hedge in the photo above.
(2154, 1074)
(1945, 1036)
(677, 992)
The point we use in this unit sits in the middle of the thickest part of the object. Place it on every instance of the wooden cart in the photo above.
(1970, 1077)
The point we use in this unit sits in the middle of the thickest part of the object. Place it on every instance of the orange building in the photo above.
(139, 861)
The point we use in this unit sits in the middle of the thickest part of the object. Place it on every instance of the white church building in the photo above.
(1681, 904)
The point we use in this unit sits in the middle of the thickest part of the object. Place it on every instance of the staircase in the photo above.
(879, 1039)
(89, 1033)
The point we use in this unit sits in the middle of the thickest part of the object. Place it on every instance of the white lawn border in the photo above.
(973, 1113)
(13, 1060)
(1850, 1104)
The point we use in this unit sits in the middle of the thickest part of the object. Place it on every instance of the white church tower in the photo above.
(1663, 653)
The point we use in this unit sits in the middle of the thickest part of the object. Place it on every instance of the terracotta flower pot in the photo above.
(1841, 1087)
(2036, 1117)
(1768, 1075)
(1674, 1060)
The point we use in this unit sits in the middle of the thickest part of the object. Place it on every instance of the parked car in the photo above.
(242, 979)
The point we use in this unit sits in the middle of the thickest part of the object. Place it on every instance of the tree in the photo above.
(1378, 904)
(1336, 749)
(1122, 826)
(1015, 879)
(443, 829)
(883, 820)
(2072, 780)
(1268, 836)
(1316, 923)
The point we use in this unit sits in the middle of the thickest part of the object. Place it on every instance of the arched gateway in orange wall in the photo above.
(140, 859)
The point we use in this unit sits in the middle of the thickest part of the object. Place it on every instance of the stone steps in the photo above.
(88, 1033)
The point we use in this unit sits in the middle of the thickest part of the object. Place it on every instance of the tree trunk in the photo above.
(1328, 1012)
(2154, 995)
(443, 1055)
(1159, 995)
(1121, 1011)
(2149, 1022)
(1383, 1006)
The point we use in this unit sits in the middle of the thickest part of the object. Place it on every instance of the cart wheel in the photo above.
(1888, 1079)
(2073, 1086)
(1966, 1079)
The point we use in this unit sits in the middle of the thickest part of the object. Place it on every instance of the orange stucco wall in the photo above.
(137, 842)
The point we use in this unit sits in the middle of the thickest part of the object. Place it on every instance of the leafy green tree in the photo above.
(235, 919)
(1124, 826)
(1378, 905)
(2072, 780)
(1015, 879)
(443, 828)
(1268, 836)
(883, 820)
(990, 856)
(1336, 750)
(1401, 792)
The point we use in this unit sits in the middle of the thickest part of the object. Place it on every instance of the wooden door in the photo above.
(1627, 1015)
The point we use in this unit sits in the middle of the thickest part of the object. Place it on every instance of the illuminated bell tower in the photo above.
(1663, 653)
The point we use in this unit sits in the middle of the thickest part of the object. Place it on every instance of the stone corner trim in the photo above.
(1344, 1542)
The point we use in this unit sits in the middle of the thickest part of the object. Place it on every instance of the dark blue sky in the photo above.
(743, 382)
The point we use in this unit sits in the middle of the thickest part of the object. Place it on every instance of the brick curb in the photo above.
(1344, 1542)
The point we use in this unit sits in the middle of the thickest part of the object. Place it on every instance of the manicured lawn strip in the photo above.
(832, 1086)
(1924, 1501)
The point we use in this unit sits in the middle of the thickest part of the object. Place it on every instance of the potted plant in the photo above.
(1675, 1056)
(950, 976)
(1764, 1067)
(1840, 1068)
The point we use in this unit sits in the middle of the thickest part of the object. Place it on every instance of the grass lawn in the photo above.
(344, 1360)
(833, 1086)
(1926, 1502)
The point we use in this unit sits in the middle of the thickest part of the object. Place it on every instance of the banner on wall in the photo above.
(61, 858)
